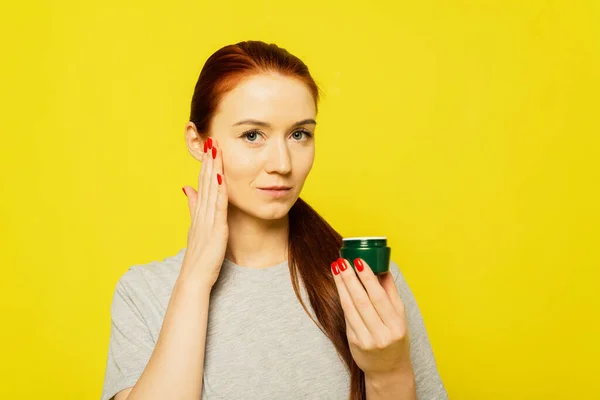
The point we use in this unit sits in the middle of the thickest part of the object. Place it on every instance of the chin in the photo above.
(274, 211)
(271, 211)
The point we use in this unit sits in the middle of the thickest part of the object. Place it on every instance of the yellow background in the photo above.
(465, 131)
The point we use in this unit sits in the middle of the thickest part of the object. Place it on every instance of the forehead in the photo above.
(271, 98)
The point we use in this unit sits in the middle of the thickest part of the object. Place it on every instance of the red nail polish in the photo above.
(209, 140)
(214, 152)
(334, 268)
(219, 179)
(359, 264)
(205, 146)
(341, 264)
(184, 192)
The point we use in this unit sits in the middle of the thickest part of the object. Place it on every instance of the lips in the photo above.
(276, 188)
(276, 192)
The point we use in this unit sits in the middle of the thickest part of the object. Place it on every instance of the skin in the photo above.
(278, 150)
(377, 330)
(257, 156)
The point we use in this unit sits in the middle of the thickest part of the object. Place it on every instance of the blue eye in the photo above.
(298, 134)
(251, 136)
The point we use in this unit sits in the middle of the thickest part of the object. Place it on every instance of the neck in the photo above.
(255, 242)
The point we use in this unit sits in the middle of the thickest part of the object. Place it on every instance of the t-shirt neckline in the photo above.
(230, 265)
(255, 271)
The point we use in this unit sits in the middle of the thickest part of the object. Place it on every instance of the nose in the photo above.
(279, 160)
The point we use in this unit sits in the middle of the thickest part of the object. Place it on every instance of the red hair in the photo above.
(312, 243)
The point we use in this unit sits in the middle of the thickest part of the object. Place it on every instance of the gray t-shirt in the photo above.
(260, 343)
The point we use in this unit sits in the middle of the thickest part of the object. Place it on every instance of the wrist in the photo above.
(192, 278)
(399, 381)
(191, 285)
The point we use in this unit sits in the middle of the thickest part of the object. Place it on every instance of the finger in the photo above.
(192, 197)
(201, 173)
(214, 153)
(378, 296)
(353, 319)
(217, 156)
(204, 182)
(350, 332)
(361, 299)
(387, 282)
(222, 198)
(222, 203)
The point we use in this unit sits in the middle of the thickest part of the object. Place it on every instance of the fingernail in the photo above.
(209, 140)
(205, 146)
(359, 264)
(334, 268)
(184, 192)
(219, 179)
(214, 152)
(341, 264)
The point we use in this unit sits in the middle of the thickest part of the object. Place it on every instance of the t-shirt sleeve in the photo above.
(428, 380)
(130, 344)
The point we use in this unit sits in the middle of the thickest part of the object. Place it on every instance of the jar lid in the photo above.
(366, 238)
(365, 241)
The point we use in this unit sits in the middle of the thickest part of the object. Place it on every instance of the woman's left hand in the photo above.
(375, 319)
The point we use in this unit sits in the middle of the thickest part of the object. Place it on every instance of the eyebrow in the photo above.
(267, 125)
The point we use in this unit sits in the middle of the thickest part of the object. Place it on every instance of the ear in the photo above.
(194, 141)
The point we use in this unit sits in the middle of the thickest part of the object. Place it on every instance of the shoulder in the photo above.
(156, 277)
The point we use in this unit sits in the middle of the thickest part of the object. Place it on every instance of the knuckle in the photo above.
(400, 333)
(379, 297)
(362, 302)
(367, 345)
(345, 304)
(380, 344)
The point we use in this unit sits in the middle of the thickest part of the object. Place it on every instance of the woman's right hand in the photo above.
(209, 233)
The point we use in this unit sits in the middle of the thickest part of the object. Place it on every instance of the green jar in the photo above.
(373, 249)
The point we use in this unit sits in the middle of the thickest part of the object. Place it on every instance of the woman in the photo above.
(251, 309)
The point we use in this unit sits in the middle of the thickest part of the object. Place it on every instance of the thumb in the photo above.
(192, 197)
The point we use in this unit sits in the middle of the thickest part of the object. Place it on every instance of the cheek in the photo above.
(304, 163)
(239, 167)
